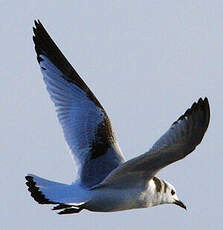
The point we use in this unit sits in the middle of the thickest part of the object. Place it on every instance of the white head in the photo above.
(166, 193)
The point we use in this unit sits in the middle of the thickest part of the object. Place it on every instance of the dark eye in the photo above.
(172, 192)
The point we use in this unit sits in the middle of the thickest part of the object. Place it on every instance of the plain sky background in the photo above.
(147, 62)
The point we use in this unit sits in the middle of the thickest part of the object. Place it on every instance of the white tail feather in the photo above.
(50, 192)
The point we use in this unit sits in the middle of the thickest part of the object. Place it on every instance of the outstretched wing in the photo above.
(180, 140)
(86, 126)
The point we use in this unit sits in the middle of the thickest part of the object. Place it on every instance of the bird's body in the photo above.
(105, 181)
(106, 199)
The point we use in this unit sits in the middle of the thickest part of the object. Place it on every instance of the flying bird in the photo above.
(105, 181)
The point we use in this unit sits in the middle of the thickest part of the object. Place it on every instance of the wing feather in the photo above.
(181, 139)
(86, 126)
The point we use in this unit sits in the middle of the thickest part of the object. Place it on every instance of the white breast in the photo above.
(110, 200)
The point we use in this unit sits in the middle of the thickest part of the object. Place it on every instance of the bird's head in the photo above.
(169, 195)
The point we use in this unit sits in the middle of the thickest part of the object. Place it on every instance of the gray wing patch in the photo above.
(180, 140)
(188, 131)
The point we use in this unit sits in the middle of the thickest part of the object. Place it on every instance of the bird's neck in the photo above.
(155, 190)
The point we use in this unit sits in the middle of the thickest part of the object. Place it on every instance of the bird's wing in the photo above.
(86, 126)
(181, 139)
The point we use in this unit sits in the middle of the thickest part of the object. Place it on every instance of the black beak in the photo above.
(180, 203)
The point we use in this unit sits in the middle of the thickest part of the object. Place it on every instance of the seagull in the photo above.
(105, 181)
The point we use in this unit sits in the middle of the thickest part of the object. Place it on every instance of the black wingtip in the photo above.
(37, 22)
(38, 29)
(201, 104)
(44, 45)
(197, 120)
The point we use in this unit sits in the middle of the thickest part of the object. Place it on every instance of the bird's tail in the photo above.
(49, 192)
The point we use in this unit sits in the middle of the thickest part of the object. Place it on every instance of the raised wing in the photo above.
(180, 140)
(86, 126)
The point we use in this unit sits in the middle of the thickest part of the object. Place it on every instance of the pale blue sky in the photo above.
(147, 62)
